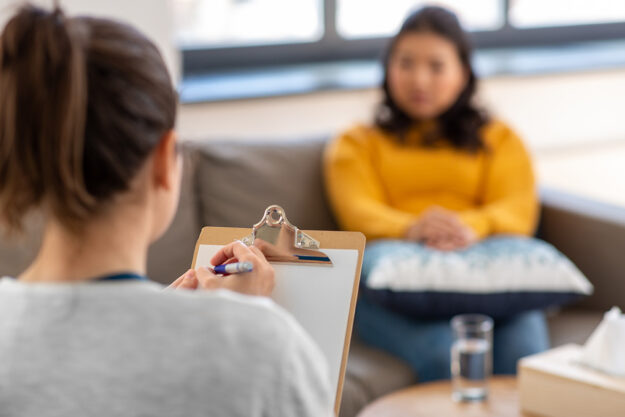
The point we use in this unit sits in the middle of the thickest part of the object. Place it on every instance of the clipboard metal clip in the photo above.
(281, 241)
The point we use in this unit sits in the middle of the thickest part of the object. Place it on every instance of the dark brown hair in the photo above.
(460, 124)
(83, 103)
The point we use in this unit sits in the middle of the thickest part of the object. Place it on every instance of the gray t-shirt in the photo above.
(131, 348)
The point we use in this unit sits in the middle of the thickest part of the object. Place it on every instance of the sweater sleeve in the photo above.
(509, 198)
(356, 192)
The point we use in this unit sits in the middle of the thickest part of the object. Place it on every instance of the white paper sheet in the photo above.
(318, 296)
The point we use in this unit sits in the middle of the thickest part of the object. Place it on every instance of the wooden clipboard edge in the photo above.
(329, 240)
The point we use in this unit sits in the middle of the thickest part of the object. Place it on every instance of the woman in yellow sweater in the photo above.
(434, 169)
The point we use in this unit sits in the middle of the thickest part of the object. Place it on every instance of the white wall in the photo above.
(549, 111)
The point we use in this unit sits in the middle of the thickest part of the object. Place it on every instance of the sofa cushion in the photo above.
(237, 181)
(499, 276)
(171, 255)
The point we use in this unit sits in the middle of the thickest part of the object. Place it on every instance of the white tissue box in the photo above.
(555, 384)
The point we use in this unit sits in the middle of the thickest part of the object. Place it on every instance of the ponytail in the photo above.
(83, 102)
(42, 116)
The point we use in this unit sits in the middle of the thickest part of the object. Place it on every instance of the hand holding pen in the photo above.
(259, 281)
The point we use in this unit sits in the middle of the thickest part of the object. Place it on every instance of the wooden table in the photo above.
(434, 400)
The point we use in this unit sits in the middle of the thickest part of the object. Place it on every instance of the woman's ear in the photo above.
(165, 161)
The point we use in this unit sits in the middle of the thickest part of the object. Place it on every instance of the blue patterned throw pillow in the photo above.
(500, 276)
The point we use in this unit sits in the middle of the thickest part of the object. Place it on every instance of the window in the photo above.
(541, 13)
(227, 23)
(371, 18)
(217, 35)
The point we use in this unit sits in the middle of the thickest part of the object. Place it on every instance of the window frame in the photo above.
(333, 47)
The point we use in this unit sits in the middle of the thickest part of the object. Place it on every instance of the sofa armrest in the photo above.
(592, 235)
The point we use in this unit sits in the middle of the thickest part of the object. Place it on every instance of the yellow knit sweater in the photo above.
(379, 187)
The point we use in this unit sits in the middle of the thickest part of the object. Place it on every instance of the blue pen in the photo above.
(233, 268)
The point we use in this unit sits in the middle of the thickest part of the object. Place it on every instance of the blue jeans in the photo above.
(425, 344)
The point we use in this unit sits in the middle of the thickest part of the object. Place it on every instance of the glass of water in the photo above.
(471, 356)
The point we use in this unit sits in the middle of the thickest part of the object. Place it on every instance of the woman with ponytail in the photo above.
(87, 112)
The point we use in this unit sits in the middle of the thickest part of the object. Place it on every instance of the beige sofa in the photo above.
(230, 183)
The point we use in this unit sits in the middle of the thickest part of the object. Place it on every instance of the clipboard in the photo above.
(299, 286)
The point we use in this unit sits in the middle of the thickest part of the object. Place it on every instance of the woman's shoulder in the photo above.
(242, 332)
(358, 139)
(497, 134)
(362, 133)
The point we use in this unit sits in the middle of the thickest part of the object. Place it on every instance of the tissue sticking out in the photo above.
(605, 348)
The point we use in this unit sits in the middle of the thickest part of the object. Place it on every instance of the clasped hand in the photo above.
(441, 229)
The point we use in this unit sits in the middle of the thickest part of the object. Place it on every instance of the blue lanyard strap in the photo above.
(123, 276)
